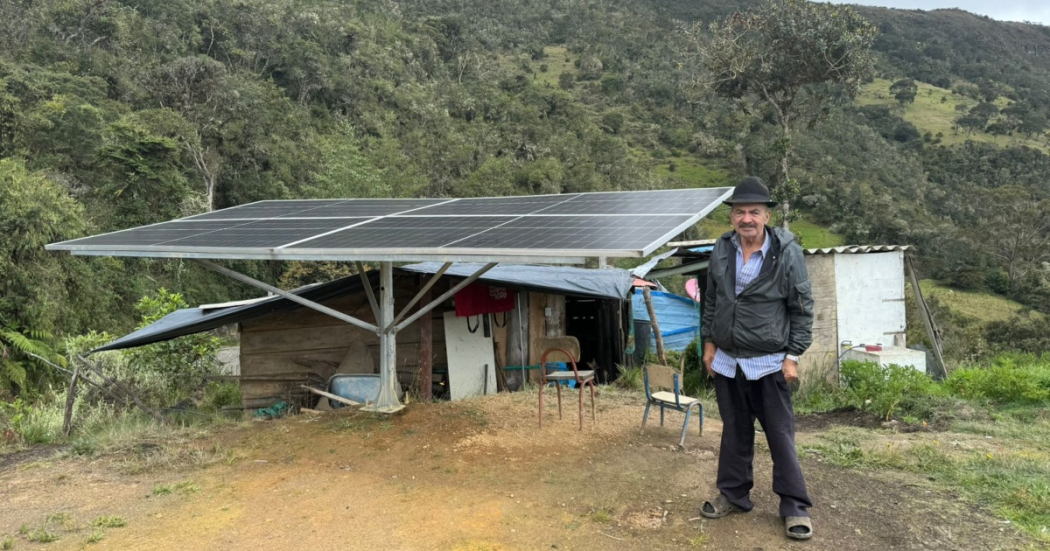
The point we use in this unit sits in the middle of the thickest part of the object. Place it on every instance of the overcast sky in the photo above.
(1036, 11)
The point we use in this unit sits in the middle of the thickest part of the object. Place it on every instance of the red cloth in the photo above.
(476, 299)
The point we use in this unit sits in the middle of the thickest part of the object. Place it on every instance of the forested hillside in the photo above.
(121, 113)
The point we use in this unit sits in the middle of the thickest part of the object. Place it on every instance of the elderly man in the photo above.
(758, 318)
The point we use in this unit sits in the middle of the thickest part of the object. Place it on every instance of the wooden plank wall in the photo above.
(821, 358)
(282, 343)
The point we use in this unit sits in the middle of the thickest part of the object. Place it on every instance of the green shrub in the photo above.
(695, 380)
(34, 424)
(816, 394)
(890, 390)
(1009, 380)
(184, 362)
(630, 378)
(218, 394)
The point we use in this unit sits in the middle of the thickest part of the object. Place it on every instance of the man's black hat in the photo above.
(751, 191)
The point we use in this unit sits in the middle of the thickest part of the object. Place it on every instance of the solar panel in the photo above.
(549, 228)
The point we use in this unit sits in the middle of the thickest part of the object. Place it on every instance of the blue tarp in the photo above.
(610, 283)
(679, 318)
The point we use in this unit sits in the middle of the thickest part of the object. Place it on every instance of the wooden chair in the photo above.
(564, 349)
(661, 376)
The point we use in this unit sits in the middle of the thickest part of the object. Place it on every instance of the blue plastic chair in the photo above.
(661, 376)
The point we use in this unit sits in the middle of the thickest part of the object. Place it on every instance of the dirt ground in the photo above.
(467, 476)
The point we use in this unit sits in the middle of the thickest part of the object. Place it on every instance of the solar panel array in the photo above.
(631, 223)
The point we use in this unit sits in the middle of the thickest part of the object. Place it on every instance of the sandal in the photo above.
(719, 507)
(798, 528)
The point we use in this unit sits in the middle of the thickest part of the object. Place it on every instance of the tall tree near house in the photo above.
(791, 56)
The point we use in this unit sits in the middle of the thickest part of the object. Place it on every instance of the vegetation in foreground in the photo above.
(1003, 405)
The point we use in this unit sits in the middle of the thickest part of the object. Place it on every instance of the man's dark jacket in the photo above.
(774, 313)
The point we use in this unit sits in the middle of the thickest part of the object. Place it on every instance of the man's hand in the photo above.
(790, 369)
(709, 357)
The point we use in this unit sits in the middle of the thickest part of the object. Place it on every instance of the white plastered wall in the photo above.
(870, 294)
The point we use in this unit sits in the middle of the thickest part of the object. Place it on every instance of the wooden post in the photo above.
(927, 319)
(71, 398)
(426, 350)
(656, 325)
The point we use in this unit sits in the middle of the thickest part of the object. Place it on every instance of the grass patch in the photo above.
(813, 236)
(976, 305)
(557, 60)
(7, 543)
(1013, 484)
(109, 522)
(689, 172)
(42, 535)
(929, 114)
(700, 540)
(602, 515)
(1006, 400)
(185, 487)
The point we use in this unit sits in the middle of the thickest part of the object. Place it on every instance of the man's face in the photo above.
(749, 220)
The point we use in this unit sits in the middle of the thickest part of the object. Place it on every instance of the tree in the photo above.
(984, 111)
(1034, 123)
(1014, 227)
(904, 90)
(566, 80)
(970, 123)
(792, 57)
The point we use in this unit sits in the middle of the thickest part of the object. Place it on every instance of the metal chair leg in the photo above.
(685, 426)
(661, 415)
(645, 416)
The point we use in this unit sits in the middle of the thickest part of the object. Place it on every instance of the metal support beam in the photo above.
(386, 401)
(426, 352)
(693, 267)
(423, 291)
(368, 290)
(451, 292)
(292, 297)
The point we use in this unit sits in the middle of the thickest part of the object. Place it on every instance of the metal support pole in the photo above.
(387, 401)
(424, 292)
(290, 296)
(368, 290)
(448, 294)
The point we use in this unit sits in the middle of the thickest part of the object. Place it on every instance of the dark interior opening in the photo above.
(597, 324)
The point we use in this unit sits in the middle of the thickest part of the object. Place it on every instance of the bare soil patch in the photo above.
(475, 475)
(815, 422)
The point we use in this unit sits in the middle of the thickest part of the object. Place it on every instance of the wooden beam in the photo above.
(330, 396)
(656, 325)
(927, 319)
(71, 398)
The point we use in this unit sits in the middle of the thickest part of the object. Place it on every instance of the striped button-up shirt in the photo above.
(753, 368)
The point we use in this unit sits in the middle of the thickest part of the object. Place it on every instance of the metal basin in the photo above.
(359, 387)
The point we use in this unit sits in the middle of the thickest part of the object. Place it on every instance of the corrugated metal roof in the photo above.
(859, 249)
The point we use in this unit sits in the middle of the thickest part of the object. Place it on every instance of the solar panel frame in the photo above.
(542, 228)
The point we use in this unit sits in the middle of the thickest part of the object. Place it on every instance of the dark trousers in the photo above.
(768, 399)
